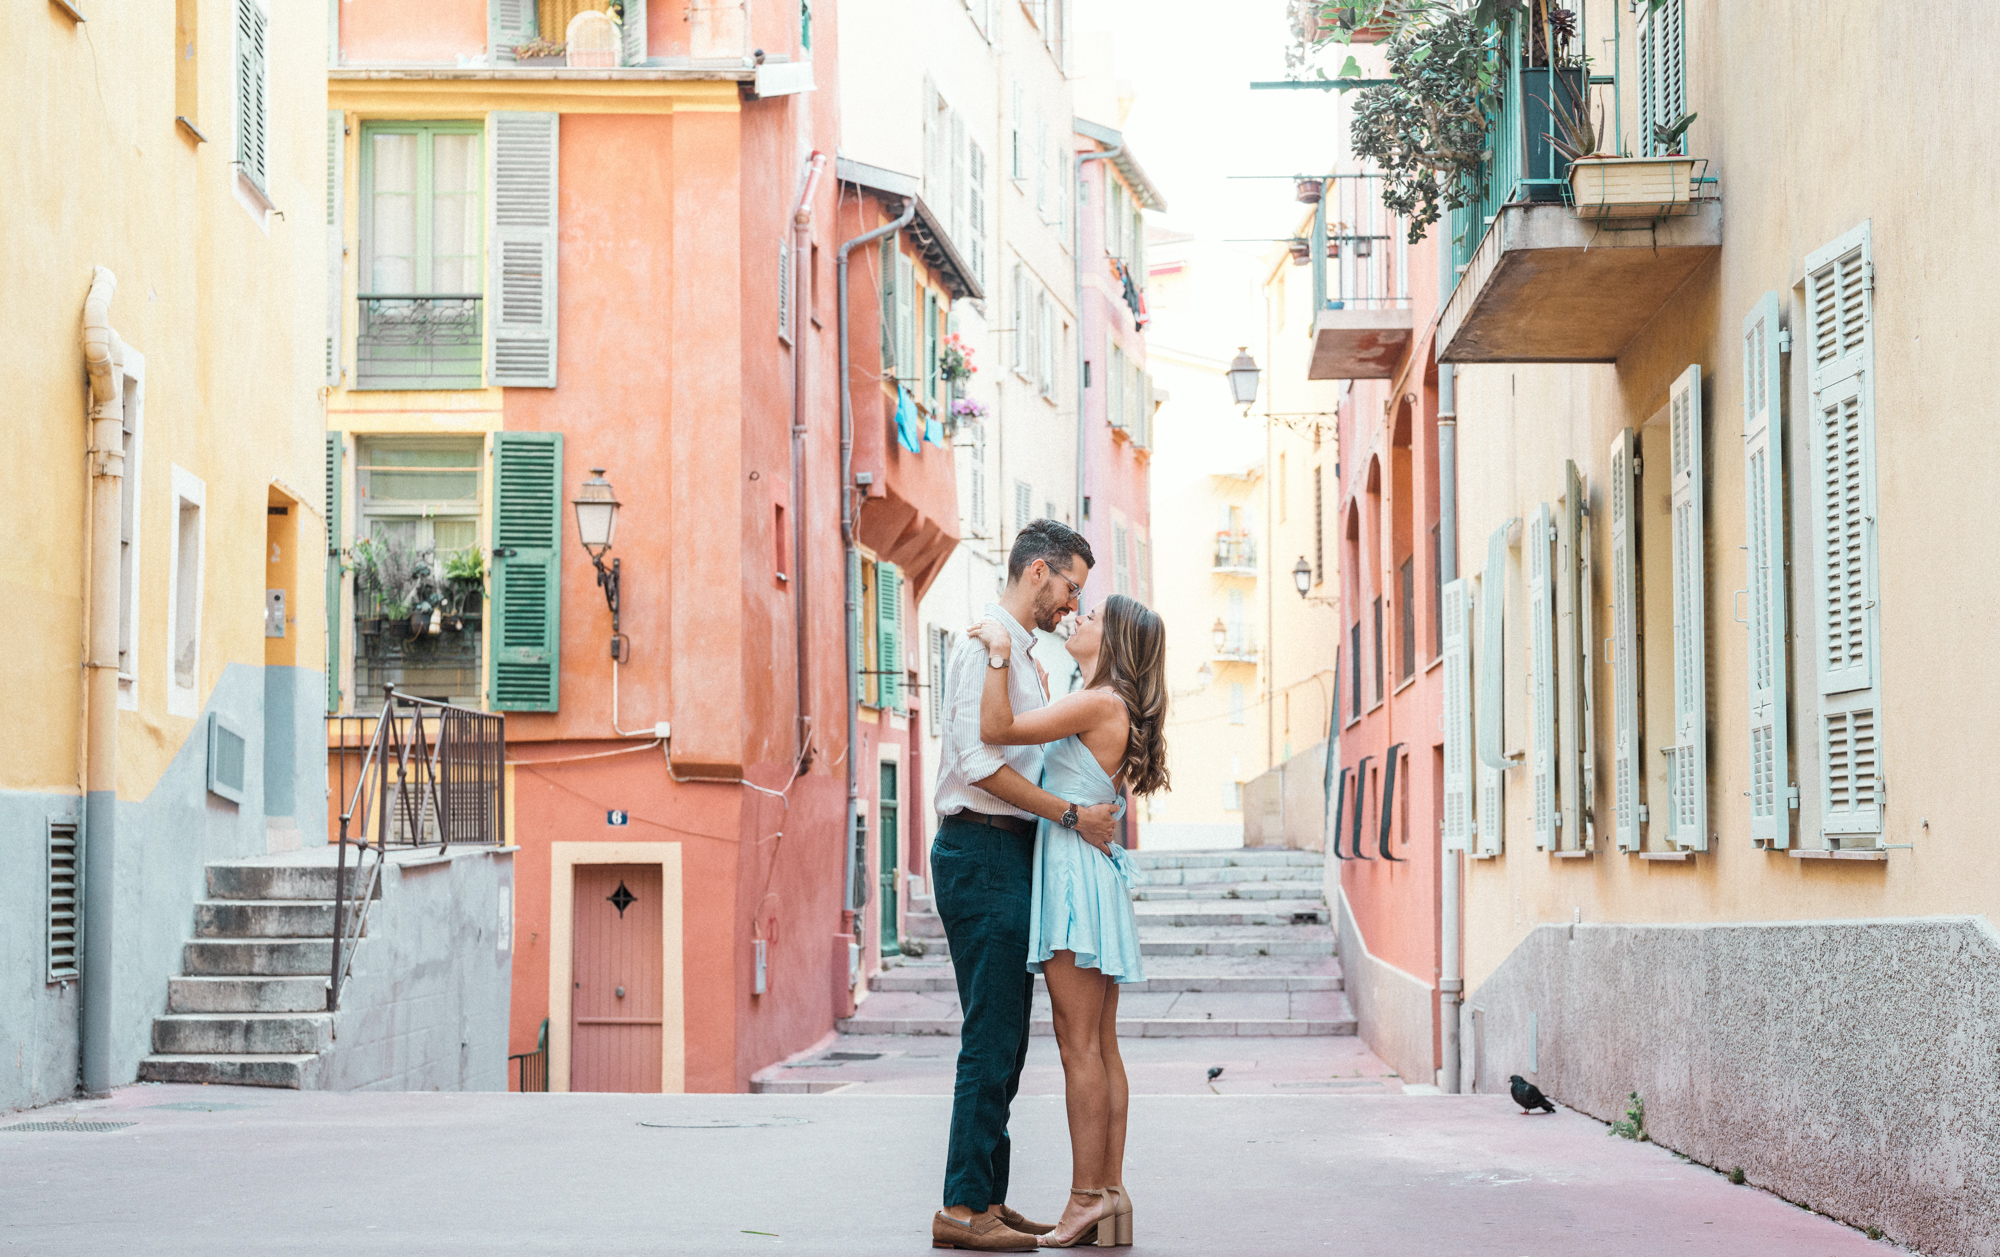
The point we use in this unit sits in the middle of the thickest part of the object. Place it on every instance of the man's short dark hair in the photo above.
(1048, 540)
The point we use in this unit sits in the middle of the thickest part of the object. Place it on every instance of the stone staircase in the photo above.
(1236, 943)
(249, 1008)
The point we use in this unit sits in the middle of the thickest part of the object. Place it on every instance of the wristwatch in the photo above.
(1068, 820)
(996, 661)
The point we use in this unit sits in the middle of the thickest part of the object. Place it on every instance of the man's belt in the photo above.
(1012, 824)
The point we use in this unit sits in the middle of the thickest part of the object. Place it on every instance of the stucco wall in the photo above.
(1850, 1066)
(1392, 1009)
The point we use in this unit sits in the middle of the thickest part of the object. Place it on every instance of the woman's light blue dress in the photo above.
(1082, 901)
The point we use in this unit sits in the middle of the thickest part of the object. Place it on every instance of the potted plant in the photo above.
(549, 52)
(962, 412)
(955, 360)
(1609, 186)
(465, 579)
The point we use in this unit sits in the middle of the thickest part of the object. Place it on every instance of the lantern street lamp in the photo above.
(1302, 577)
(1243, 378)
(596, 504)
(1203, 675)
(1221, 635)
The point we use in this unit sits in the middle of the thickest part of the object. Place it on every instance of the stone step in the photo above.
(1297, 942)
(188, 994)
(264, 879)
(924, 925)
(1154, 984)
(1205, 891)
(238, 1070)
(1128, 1027)
(1167, 1014)
(796, 1086)
(1234, 875)
(1242, 858)
(257, 957)
(264, 918)
(1201, 913)
(194, 1034)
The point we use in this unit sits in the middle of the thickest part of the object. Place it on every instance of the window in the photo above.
(1232, 796)
(134, 367)
(1238, 708)
(1017, 155)
(931, 341)
(975, 210)
(1024, 504)
(1354, 661)
(1045, 344)
(1114, 409)
(1378, 649)
(1121, 566)
(1437, 593)
(421, 251)
(253, 94)
(186, 565)
(1662, 73)
(1024, 320)
(1409, 617)
(419, 570)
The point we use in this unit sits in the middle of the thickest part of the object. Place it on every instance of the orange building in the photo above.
(560, 242)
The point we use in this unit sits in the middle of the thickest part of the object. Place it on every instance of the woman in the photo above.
(1082, 937)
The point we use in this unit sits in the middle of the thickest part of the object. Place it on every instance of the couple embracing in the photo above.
(1028, 879)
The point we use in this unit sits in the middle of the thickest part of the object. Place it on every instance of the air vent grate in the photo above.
(88, 1128)
(65, 899)
(227, 759)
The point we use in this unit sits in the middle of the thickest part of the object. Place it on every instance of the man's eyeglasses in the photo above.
(1075, 590)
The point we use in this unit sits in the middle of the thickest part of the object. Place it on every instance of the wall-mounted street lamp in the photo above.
(1302, 577)
(1204, 675)
(1243, 374)
(596, 506)
(1221, 635)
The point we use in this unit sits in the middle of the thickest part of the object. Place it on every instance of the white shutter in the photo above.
(252, 95)
(960, 200)
(1455, 610)
(522, 248)
(1541, 682)
(1569, 679)
(1489, 707)
(1687, 766)
(1839, 315)
(785, 292)
(508, 23)
(1627, 769)
(336, 186)
(1764, 528)
(632, 34)
(975, 210)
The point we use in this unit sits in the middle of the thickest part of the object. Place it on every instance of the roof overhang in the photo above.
(1147, 195)
(934, 243)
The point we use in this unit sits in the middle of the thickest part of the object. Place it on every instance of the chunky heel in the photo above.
(1121, 1218)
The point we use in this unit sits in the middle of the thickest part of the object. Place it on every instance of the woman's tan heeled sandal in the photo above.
(1121, 1220)
(1097, 1231)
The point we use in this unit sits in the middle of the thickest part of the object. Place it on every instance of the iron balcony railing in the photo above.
(533, 1066)
(1235, 552)
(410, 340)
(420, 772)
(1363, 258)
(1238, 645)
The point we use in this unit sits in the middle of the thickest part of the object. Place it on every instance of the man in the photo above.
(982, 871)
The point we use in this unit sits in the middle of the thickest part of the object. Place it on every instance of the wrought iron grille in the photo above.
(533, 1066)
(414, 341)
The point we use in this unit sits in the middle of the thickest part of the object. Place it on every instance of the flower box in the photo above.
(1633, 187)
(558, 61)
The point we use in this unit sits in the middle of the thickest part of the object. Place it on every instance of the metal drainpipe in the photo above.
(103, 355)
(1451, 968)
(801, 382)
(1076, 269)
(847, 512)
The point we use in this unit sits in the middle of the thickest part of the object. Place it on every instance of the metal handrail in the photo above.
(534, 1066)
(424, 800)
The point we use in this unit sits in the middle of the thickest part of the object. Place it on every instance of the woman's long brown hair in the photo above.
(1132, 662)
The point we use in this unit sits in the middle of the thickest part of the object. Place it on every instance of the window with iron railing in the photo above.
(422, 292)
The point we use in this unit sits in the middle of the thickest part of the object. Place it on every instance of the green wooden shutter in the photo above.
(334, 578)
(526, 592)
(508, 23)
(1570, 666)
(1490, 705)
(1687, 767)
(632, 34)
(336, 187)
(1627, 769)
(1541, 680)
(1764, 528)
(252, 92)
(889, 634)
(1840, 318)
(1456, 615)
(522, 250)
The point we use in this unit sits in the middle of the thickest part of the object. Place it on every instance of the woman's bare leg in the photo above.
(1077, 997)
(1118, 1092)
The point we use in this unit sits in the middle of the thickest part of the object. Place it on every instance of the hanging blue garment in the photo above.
(909, 428)
(934, 430)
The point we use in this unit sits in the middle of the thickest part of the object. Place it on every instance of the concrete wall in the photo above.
(1394, 1011)
(425, 1007)
(1850, 1066)
(1286, 807)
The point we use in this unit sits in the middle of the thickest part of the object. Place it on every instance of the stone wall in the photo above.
(1393, 1010)
(1849, 1066)
(1286, 806)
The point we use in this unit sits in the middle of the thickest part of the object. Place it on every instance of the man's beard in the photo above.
(1049, 611)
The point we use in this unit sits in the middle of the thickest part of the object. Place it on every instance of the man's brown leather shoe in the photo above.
(1021, 1224)
(984, 1234)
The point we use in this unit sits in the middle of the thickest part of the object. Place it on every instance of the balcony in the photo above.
(410, 341)
(1360, 253)
(1235, 643)
(1235, 554)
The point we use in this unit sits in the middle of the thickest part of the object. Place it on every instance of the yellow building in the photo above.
(163, 277)
(1721, 454)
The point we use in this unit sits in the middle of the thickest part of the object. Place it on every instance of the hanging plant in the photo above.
(955, 360)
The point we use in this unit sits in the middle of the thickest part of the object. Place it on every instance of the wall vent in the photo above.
(65, 899)
(226, 759)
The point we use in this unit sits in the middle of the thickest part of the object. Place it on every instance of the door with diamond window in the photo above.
(617, 1003)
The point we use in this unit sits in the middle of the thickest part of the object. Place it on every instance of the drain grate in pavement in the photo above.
(97, 1128)
(728, 1123)
(852, 1056)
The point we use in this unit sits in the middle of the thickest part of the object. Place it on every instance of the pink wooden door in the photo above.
(615, 1039)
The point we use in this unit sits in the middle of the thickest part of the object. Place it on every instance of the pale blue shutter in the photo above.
(1662, 72)
(1764, 529)
(1571, 729)
(1490, 707)
(1541, 681)
(632, 34)
(906, 322)
(1687, 766)
(889, 634)
(1455, 612)
(508, 23)
(1627, 770)
(522, 250)
(336, 251)
(1839, 305)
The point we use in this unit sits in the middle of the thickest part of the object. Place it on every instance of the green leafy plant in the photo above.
(1581, 136)
(1736, 1175)
(541, 48)
(467, 566)
(1634, 1124)
(1668, 136)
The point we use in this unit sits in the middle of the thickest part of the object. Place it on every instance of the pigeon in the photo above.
(1214, 1072)
(1529, 1096)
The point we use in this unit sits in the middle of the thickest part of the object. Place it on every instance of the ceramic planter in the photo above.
(1632, 187)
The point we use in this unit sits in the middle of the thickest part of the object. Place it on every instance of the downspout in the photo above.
(103, 356)
(1451, 968)
(801, 382)
(847, 520)
(1076, 269)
